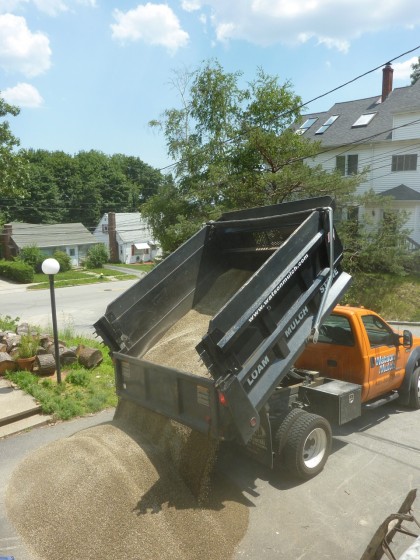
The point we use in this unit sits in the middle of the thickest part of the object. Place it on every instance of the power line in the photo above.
(286, 113)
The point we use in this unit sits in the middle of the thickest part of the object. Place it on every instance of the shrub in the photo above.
(63, 259)
(7, 323)
(97, 256)
(31, 255)
(17, 271)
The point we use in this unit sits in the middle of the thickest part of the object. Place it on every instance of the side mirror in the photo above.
(407, 339)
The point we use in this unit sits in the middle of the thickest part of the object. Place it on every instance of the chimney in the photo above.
(7, 237)
(112, 233)
(387, 73)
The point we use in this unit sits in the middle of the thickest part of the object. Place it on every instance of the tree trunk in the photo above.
(89, 357)
(6, 362)
(44, 364)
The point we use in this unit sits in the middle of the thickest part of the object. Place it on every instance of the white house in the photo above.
(128, 237)
(381, 133)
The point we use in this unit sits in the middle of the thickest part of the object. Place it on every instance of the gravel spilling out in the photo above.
(140, 486)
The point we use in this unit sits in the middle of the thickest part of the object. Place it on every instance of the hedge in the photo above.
(16, 271)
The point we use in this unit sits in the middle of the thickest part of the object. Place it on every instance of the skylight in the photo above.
(364, 120)
(327, 124)
(307, 124)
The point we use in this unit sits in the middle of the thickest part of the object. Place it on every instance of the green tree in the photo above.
(234, 147)
(13, 166)
(415, 75)
(375, 247)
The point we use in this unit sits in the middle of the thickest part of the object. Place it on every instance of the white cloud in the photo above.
(402, 70)
(191, 5)
(333, 23)
(23, 95)
(155, 24)
(49, 7)
(20, 49)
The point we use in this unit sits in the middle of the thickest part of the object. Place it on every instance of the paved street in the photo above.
(78, 307)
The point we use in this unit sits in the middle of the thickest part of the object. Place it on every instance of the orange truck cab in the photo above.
(356, 345)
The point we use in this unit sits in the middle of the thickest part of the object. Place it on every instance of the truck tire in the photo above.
(414, 399)
(308, 445)
(285, 423)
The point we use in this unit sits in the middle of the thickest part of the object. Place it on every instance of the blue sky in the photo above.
(91, 74)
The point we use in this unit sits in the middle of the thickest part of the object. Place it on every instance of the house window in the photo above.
(407, 162)
(72, 252)
(327, 124)
(104, 228)
(347, 165)
(307, 124)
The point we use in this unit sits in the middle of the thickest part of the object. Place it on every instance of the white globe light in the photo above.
(50, 266)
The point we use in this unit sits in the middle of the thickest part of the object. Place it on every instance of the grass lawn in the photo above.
(82, 391)
(138, 267)
(79, 277)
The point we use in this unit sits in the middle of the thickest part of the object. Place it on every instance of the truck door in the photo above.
(386, 359)
(336, 354)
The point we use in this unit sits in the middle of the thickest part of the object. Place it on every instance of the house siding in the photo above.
(394, 131)
(130, 229)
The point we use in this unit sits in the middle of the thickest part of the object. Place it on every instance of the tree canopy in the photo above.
(415, 75)
(234, 147)
(81, 187)
(13, 169)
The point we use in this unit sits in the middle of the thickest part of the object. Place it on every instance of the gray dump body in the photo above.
(278, 280)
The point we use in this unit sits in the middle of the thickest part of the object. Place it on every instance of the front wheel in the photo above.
(414, 399)
(308, 445)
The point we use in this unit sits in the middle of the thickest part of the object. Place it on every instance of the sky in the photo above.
(91, 74)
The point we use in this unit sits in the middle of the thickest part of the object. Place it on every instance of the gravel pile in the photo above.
(176, 348)
(103, 494)
(139, 487)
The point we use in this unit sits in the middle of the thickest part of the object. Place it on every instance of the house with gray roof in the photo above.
(128, 237)
(73, 239)
(380, 134)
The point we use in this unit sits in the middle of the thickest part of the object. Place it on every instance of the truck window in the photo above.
(378, 332)
(336, 330)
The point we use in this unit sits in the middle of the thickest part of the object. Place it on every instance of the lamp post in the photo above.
(51, 267)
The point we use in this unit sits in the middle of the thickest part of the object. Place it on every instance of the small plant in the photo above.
(28, 345)
(7, 323)
(78, 377)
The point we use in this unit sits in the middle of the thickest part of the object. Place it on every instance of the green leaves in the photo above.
(234, 148)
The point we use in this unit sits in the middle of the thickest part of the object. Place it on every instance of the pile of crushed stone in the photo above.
(104, 494)
(140, 487)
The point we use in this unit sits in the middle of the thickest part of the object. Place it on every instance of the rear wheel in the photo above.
(414, 400)
(285, 423)
(308, 445)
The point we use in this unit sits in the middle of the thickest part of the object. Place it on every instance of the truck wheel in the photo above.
(414, 401)
(286, 422)
(308, 445)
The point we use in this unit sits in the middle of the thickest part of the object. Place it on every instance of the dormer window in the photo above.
(327, 124)
(307, 124)
(363, 120)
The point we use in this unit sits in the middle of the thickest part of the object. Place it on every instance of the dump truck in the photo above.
(210, 337)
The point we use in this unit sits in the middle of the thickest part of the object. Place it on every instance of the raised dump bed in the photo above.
(207, 336)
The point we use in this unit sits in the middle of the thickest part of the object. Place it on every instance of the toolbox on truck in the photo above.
(338, 401)
(287, 278)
